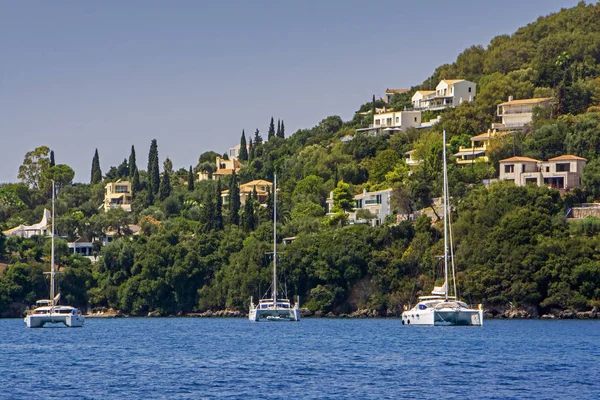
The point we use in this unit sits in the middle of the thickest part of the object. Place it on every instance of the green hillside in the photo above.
(194, 253)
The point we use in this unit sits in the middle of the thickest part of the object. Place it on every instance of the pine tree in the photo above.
(165, 187)
(234, 200)
(278, 128)
(257, 138)
(218, 207)
(271, 129)
(191, 180)
(132, 164)
(96, 172)
(243, 156)
(250, 150)
(153, 171)
(168, 166)
(282, 130)
(52, 163)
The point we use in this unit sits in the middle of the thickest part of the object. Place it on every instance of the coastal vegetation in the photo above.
(195, 253)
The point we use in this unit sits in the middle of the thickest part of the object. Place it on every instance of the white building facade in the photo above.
(562, 173)
(377, 203)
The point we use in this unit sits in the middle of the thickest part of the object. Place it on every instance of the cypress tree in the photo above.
(135, 182)
(373, 106)
(271, 129)
(132, 164)
(234, 200)
(191, 180)
(248, 224)
(218, 207)
(96, 172)
(278, 134)
(243, 156)
(282, 130)
(251, 150)
(165, 187)
(52, 163)
(257, 138)
(153, 171)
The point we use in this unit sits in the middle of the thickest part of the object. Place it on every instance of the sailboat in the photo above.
(274, 308)
(48, 311)
(440, 308)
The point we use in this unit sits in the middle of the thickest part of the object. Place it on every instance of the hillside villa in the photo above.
(562, 173)
(448, 93)
(42, 228)
(377, 203)
(118, 194)
(479, 147)
(263, 188)
(516, 114)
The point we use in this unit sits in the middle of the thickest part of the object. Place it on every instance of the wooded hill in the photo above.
(513, 244)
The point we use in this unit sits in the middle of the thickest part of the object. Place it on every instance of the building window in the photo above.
(415, 119)
(377, 122)
(509, 169)
(388, 121)
(397, 119)
(469, 89)
(563, 167)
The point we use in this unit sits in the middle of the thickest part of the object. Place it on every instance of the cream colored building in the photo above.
(516, 114)
(224, 168)
(562, 173)
(389, 93)
(392, 121)
(447, 93)
(118, 194)
(480, 144)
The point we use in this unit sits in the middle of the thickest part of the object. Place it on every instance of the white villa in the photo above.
(118, 194)
(448, 93)
(562, 173)
(42, 228)
(516, 114)
(393, 121)
(378, 203)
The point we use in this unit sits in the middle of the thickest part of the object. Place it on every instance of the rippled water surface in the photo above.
(181, 358)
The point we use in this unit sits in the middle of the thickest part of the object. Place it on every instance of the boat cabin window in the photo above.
(422, 307)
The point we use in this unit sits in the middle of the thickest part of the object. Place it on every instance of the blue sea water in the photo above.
(189, 358)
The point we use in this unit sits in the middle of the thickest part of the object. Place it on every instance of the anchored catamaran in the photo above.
(440, 308)
(48, 311)
(274, 308)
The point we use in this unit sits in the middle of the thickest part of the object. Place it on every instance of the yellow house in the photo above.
(480, 144)
(263, 188)
(224, 168)
(118, 194)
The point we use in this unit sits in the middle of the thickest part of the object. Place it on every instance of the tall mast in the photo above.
(445, 218)
(52, 253)
(275, 241)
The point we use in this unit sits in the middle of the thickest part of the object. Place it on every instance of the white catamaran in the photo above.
(274, 308)
(440, 308)
(48, 311)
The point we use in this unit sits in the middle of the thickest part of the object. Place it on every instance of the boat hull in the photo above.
(39, 321)
(443, 317)
(275, 315)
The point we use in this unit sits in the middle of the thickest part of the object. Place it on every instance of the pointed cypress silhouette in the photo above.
(96, 172)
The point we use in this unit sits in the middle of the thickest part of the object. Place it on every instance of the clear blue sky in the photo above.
(76, 76)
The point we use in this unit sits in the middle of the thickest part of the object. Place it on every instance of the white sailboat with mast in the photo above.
(274, 308)
(440, 308)
(48, 311)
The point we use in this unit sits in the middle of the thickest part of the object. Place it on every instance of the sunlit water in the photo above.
(185, 358)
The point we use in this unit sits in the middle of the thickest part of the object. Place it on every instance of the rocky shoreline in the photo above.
(17, 310)
(492, 313)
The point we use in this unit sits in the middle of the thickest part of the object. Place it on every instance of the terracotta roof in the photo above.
(488, 135)
(520, 159)
(526, 101)
(257, 182)
(396, 90)
(425, 91)
(451, 81)
(567, 157)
